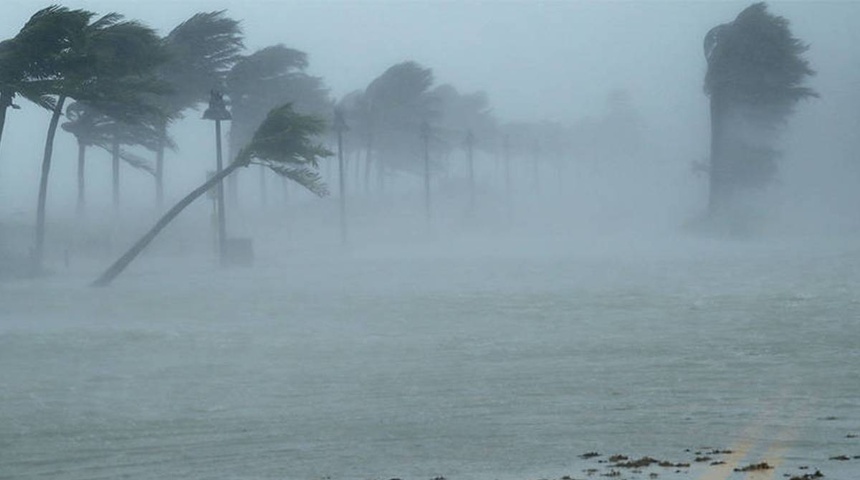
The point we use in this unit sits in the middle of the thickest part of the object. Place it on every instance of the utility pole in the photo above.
(340, 127)
(425, 136)
(507, 149)
(470, 143)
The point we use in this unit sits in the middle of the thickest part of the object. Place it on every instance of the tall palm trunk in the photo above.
(264, 195)
(115, 174)
(470, 143)
(159, 165)
(107, 277)
(341, 180)
(232, 182)
(5, 103)
(368, 163)
(507, 158)
(427, 177)
(81, 205)
(716, 174)
(39, 250)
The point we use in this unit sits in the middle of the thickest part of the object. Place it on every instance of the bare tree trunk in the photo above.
(81, 205)
(39, 250)
(117, 267)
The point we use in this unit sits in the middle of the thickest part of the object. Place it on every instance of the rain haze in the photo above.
(551, 240)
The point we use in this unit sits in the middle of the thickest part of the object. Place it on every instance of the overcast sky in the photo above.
(535, 59)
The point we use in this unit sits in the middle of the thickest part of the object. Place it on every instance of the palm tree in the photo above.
(756, 74)
(284, 143)
(94, 128)
(270, 76)
(200, 51)
(104, 61)
(465, 119)
(28, 61)
(398, 102)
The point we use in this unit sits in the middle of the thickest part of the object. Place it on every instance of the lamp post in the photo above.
(340, 127)
(425, 136)
(218, 111)
(470, 144)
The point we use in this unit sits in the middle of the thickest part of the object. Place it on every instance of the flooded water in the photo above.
(409, 363)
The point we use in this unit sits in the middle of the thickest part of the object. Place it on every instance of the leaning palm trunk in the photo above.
(282, 142)
(39, 250)
(107, 277)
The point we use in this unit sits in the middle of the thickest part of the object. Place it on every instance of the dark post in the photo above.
(508, 174)
(536, 166)
(470, 143)
(340, 127)
(425, 136)
(218, 111)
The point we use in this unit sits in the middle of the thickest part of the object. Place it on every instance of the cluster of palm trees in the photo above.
(118, 85)
(115, 84)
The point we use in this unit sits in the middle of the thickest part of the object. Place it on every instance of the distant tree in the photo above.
(284, 143)
(105, 60)
(270, 76)
(200, 51)
(398, 102)
(465, 120)
(756, 75)
(94, 128)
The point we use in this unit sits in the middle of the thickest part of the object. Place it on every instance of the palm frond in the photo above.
(284, 142)
(303, 175)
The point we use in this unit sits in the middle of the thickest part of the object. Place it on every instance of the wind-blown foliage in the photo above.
(94, 128)
(398, 102)
(29, 61)
(200, 51)
(103, 62)
(270, 76)
(756, 74)
(284, 142)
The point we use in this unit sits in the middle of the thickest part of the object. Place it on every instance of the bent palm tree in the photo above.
(284, 142)
(270, 76)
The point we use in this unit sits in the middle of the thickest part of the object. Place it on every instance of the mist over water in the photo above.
(581, 310)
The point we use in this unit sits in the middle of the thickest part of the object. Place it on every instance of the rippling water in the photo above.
(397, 364)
